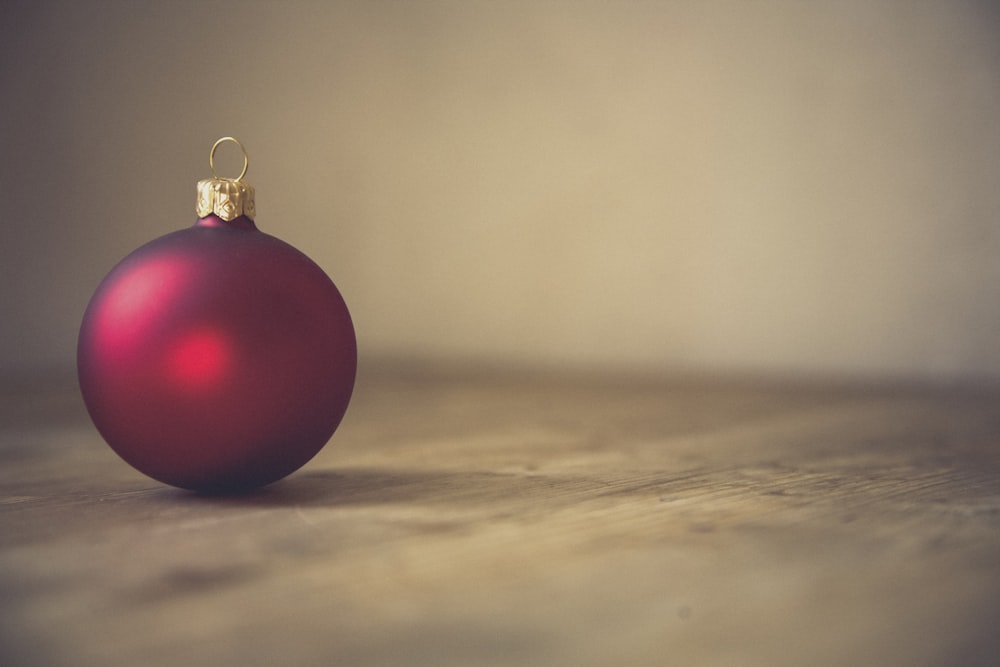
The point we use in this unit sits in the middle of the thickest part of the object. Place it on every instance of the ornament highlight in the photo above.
(217, 358)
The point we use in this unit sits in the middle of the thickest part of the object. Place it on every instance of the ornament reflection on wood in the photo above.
(217, 358)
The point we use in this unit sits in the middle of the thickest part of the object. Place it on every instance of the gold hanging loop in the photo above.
(211, 157)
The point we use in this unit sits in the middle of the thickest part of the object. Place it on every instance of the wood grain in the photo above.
(506, 518)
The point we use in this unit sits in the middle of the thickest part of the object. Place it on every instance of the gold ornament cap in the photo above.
(228, 198)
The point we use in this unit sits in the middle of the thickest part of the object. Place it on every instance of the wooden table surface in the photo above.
(463, 518)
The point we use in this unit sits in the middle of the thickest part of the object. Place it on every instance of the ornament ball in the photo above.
(217, 358)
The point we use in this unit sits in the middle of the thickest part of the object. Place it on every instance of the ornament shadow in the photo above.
(373, 486)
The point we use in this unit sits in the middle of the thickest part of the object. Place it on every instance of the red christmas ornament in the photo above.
(217, 358)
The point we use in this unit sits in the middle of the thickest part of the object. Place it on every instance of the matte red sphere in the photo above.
(217, 358)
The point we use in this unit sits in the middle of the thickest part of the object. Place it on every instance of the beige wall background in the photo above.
(782, 186)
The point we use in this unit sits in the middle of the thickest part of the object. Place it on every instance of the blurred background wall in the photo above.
(775, 186)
